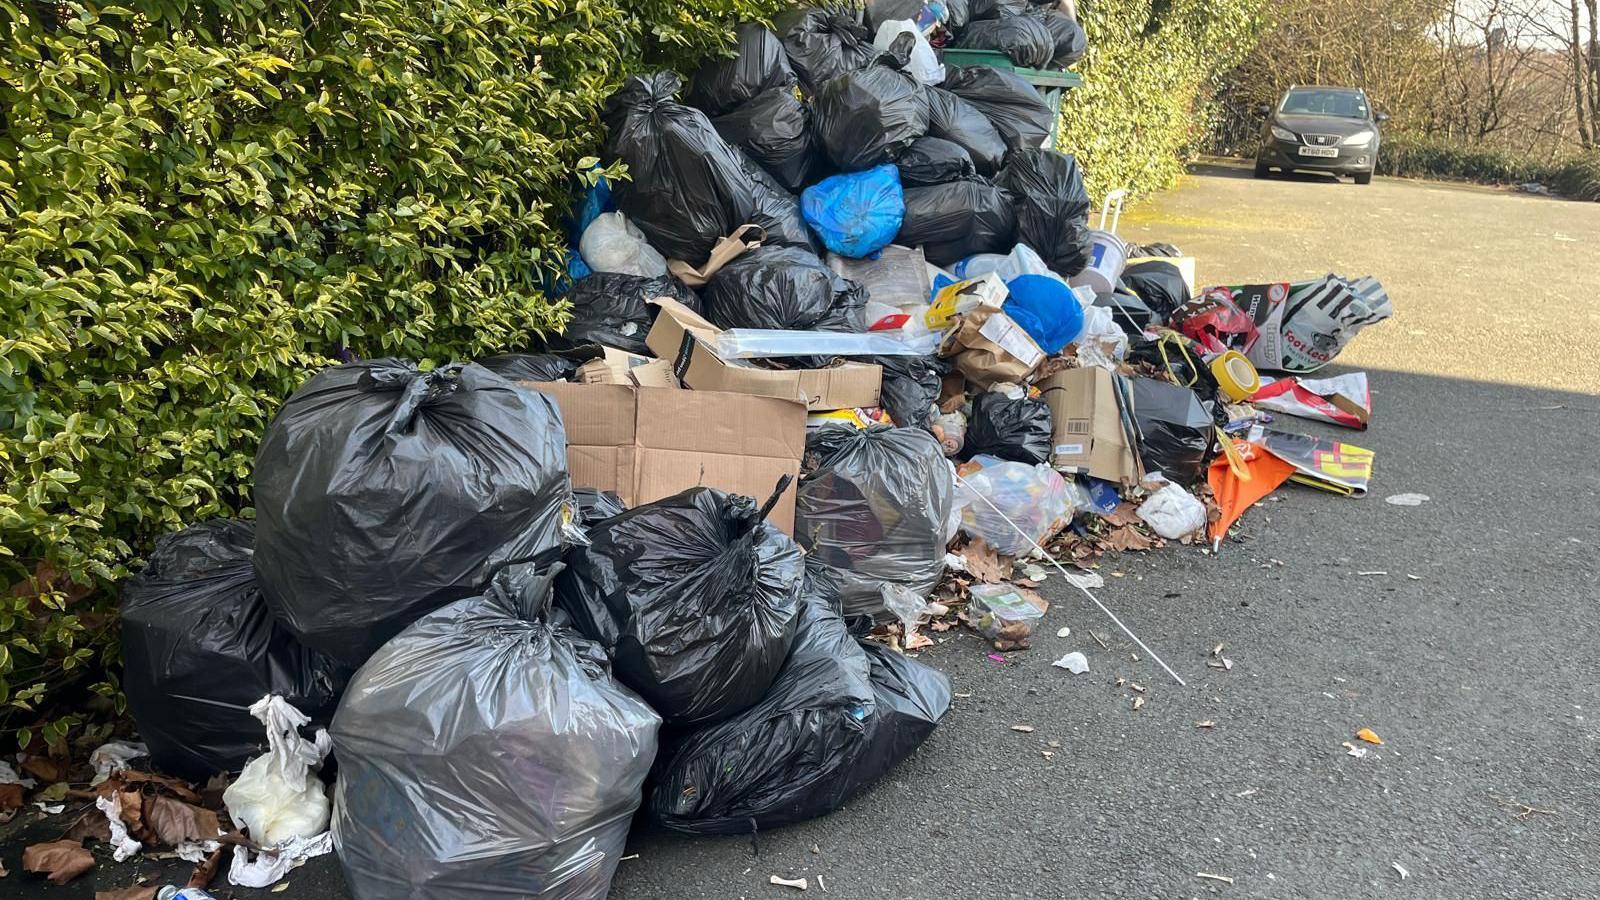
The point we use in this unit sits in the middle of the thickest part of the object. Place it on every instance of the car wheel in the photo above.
(1262, 171)
(1363, 178)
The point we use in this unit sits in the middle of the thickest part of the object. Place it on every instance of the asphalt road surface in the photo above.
(1463, 631)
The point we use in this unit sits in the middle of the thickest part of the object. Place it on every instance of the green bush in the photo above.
(203, 202)
(1577, 177)
(1418, 157)
(1150, 66)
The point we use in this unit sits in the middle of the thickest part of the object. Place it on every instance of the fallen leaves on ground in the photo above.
(46, 769)
(171, 822)
(60, 861)
(203, 874)
(983, 562)
(1126, 537)
(10, 797)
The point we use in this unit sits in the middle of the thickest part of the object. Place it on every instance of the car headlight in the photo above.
(1359, 139)
(1284, 134)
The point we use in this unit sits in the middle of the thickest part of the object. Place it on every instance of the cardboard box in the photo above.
(677, 338)
(1088, 428)
(622, 367)
(646, 443)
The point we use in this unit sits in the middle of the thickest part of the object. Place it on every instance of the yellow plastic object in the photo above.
(1370, 736)
(1235, 375)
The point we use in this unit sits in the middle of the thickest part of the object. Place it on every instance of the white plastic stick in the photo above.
(1068, 575)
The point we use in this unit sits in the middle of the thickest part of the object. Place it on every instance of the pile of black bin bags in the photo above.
(421, 578)
(419, 551)
(813, 97)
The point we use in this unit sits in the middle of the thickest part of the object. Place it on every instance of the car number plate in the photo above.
(1325, 152)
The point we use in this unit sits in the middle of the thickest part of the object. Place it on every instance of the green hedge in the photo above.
(1577, 177)
(203, 202)
(1150, 68)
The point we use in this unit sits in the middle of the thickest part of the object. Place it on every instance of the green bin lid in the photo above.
(994, 59)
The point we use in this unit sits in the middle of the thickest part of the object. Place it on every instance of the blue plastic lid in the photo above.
(1046, 309)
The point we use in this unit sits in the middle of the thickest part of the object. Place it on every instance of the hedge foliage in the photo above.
(1577, 177)
(203, 201)
(1150, 68)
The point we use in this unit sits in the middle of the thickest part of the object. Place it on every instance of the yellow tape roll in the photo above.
(1235, 375)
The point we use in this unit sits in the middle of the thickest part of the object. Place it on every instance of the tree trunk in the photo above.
(1580, 75)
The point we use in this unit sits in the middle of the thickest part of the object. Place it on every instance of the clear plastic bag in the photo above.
(1033, 497)
(1001, 613)
(613, 244)
(278, 796)
(1173, 512)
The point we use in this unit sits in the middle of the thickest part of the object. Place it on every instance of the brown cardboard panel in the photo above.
(1087, 431)
(663, 473)
(675, 339)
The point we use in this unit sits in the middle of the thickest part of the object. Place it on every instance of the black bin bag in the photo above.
(1011, 104)
(784, 287)
(774, 129)
(838, 717)
(759, 64)
(487, 752)
(824, 44)
(868, 116)
(777, 212)
(931, 160)
(1127, 310)
(1175, 431)
(383, 493)
(199, 647)
(911, 387)
(686, 185)
(1070, 41)
(595, 505)
(980, 10)
(959, 122)
(1052, 206)
(613, 309)
(954, 220)
(1159, 284)
(1023, 39)
(556, 365)
(874, 506)
(694, 596)
(1013, 429)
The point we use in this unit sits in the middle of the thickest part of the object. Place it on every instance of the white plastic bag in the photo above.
(1101, 342)
(278, 796)
(1173, 512)
(1022, 260)
(613, 244)
(924, 65)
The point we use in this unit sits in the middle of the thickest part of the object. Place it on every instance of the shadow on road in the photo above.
(1242, 170)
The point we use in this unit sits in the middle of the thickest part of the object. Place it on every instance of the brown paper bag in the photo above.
(726, 250)
(989, 348)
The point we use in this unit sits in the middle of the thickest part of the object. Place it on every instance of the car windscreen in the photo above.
(1314, 102)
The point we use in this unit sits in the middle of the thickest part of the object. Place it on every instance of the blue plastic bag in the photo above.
(858, 213)
(1046, 309)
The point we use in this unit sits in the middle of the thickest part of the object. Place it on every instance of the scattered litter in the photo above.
(1063, 631)
(1401, 870)
(1370, 736)
(1352, 750)
(1138, 703)
(1371, 573)
(1025, 729)
(1406, 499)
(822, 884)
(1206, 724)
(1074, 662)
(270, 866)
(114, 757)
(1247, 793)
(123, 847)
(1208, 875)
(796, 883)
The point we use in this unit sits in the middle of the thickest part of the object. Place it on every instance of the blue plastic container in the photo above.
(858, 213)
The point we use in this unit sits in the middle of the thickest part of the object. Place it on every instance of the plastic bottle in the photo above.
(176, 893)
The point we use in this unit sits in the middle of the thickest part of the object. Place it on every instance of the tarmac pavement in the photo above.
(1463, 631)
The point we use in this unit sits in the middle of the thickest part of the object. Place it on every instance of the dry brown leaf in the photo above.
(46, 769)
(915, 641)
(132, 809)
(207, 869)
(177, 787)
(982, 562)
(60, 861)
(10, 797)
(1127, 537)
(211, 793)
(171, 822)
(91, 824)
(1125, 514)
(941, 625)
(137, 892)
